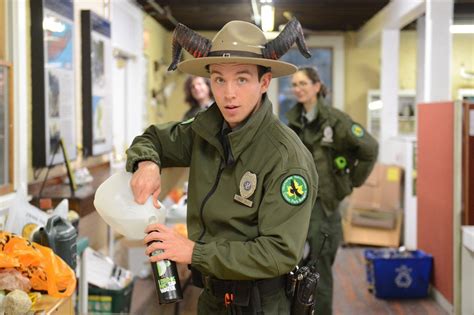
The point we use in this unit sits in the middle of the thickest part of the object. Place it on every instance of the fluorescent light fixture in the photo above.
(462, 29)
(255, 14)
(268, 17)
(375, 105)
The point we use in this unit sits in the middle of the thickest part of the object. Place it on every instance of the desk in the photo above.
(82, 201)
(49, 305)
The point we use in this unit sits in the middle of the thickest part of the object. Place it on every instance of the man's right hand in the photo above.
(146, 182)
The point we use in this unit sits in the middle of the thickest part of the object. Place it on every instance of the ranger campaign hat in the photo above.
(237, 42)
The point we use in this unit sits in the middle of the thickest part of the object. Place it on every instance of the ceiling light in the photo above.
(375, 105)
(268, 17)
(462, 29)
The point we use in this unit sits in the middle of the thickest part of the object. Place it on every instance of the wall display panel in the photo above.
(321, 58)
(6, 128)
(52, 61)
(96, 84)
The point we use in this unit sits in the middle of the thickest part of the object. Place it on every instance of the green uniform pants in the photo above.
(272, 304)
(321, 224)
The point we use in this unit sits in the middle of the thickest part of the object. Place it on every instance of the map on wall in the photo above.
(321, 58)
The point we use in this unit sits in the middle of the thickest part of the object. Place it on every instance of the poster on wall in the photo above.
(96, 84)
(322, 59)
(53, 84)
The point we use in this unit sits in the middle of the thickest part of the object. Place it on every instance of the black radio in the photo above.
(301, 285)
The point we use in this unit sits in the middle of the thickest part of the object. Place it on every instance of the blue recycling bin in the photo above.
(398, 275)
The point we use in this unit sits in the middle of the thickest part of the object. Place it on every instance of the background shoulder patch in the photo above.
(294, 189)
(357, 130)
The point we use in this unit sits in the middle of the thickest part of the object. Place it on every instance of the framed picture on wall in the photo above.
(6, 128)
(53, 84)
(322, 58)
(96, 84)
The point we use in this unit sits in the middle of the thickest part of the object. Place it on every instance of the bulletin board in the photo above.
(53, 84)
(96, 84)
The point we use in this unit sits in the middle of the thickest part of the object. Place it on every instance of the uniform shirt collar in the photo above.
(311, 115)
(210, 123)
(295, 114)
(241, 137)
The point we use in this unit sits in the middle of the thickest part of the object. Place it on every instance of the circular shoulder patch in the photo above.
(357, 131)
(294, 189)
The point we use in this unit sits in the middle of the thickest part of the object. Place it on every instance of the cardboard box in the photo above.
(373, 218)
(131, 254)
(381, 191)
(374, 215)
(354, 234)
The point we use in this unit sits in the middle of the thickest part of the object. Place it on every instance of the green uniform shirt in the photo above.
(343, 151)
(237, 241)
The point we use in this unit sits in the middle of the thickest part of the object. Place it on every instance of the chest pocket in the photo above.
(340, 166)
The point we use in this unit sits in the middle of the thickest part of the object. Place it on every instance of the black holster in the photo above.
(301, 286)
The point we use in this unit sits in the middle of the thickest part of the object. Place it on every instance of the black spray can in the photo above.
(166, 280)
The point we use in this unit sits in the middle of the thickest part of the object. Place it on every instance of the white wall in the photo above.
(127, 37)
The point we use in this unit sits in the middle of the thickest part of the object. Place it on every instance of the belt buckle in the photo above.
(206, 281)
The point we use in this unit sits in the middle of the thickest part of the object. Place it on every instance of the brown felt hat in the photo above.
(237, 42)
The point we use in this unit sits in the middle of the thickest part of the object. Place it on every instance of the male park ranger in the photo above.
(252, 183)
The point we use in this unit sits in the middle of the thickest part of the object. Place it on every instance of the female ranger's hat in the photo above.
(237, 42)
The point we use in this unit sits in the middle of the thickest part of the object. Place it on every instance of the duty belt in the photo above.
(220, 287)
(240, 293)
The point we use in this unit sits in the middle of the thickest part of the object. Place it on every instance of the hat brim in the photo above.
(197, 66)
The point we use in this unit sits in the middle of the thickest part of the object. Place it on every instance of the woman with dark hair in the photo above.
(344, 154)
(198, 95)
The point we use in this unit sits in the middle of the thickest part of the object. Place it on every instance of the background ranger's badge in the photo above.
(294, 190)
(328, 134)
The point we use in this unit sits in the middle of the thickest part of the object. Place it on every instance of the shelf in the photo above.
(82, 201)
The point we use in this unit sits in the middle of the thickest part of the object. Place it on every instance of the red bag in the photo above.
(46, 271)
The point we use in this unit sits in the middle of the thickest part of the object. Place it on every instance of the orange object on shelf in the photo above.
(181, 229)
(175, 194)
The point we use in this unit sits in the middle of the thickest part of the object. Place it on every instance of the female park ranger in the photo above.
(344, 154)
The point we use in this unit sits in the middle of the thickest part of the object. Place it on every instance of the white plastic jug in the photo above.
(115, 203)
